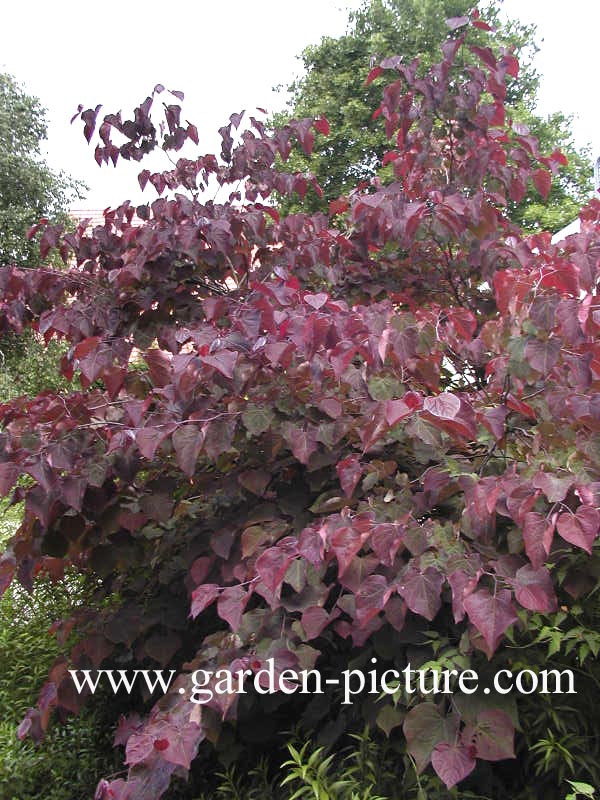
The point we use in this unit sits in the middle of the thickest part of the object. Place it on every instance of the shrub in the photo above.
(368, 437)
(67, 763)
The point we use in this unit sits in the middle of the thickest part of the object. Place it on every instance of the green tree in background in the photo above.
(66, 765)
(572, 185)
(334, 86)
(29, 190)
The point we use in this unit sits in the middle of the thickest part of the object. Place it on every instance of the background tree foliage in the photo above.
(334, 86)
(29, 188)
(66, 765)
(29, 191)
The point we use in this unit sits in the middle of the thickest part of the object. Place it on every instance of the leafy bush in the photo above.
(28, 367)
(65, 767)
(29, 189)
(67, 763)
(373, 442)
(334, 86)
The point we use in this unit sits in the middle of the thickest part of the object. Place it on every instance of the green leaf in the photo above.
(388, 718)
(257, 419)
(424, 728)
(385, 388)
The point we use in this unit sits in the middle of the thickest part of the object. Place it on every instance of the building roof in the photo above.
(96, 216)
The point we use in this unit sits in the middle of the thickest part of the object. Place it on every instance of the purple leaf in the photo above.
(492, 735)
(543, 355)
(452, 762)
(272, 564)
(534, 589)
(542, 180)
(371, 598)
(139, 746)
(396, 410)
(187, 441)
(223, 361)
(231, 604)
(491, 614)
(202, 597)
(255, 481)
(421, 591)
(580, 528)
(456, 22)
(462, 584)
(345, 543)
(159, 366)
(386, 540)
(178, 743)
(554, 487)
(314, 620)
(451, 413)
(538, 533)
(7, 571)
(425, 728)
(302, 441)
(349, 471)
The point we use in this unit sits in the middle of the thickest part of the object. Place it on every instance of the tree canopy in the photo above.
(320, 440)
(333, 85)
(29, 189)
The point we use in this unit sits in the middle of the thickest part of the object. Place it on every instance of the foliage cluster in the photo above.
(28, 367)
(366, 770)
(29, 189)
(333, 85)
(367, 434)
(66, 765)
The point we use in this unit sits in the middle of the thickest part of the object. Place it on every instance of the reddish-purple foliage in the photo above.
(292, 433)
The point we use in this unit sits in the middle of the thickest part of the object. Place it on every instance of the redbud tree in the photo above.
(315, 439)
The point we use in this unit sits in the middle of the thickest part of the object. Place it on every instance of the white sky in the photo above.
(226, 56)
